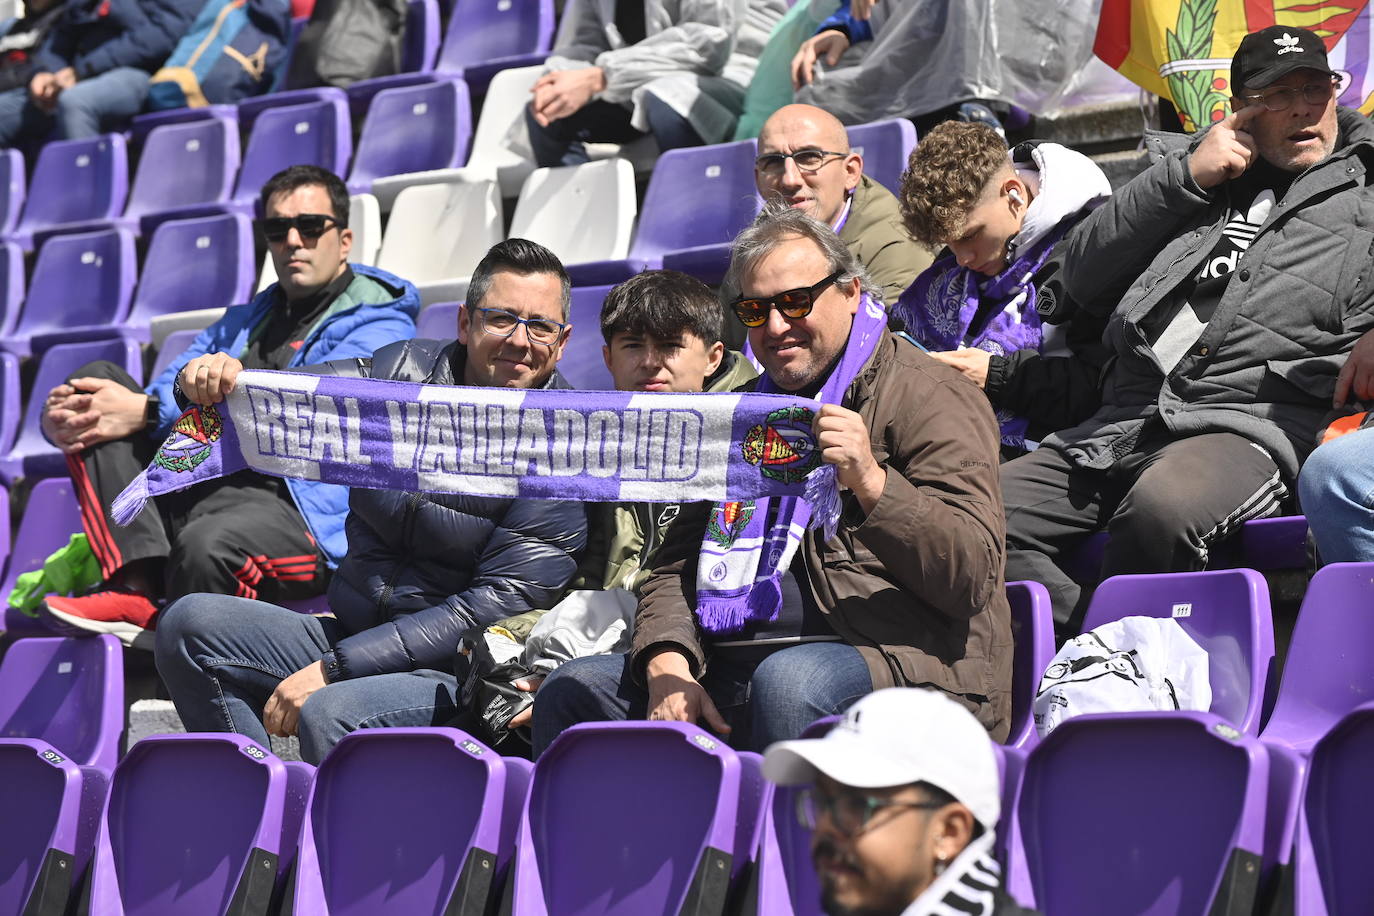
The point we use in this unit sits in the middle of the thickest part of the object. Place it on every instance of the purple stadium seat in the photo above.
(51, 807)
(75, 181)
(32, 455)
(697, 201)
(413, 129)
(4, 530)
(408, 820)
(570, 833)
(194, 822)
(10, 409)
(421, 38)
(1225, 611)
(1149, 813)
(438, 321)
(144, 124)
(484, 38)
(200, 263)
(1333, 873)
(12, 189)
(81, 288)
(1264, 544)
(1032, 631)
(582, 363)
(885, 146)
(1282, 830)
(1330, 665)
(51, 517)
(203, 154)
(176, 344)
(1011, 767)
(68, 693)
(309, 133)
(751, 816)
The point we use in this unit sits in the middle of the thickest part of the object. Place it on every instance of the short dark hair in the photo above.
(662, 304)
(519, 256)
(300, 176)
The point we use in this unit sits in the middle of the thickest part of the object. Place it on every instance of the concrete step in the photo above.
(159, 717)
(1112, 127)
(1121, 167)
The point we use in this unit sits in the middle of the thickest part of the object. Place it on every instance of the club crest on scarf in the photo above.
(190, 441)
(782, 446)
(728, 521)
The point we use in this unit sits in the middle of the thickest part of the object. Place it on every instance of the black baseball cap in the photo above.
(1273, 53)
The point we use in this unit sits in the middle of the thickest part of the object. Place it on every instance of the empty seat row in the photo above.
(1151, 813)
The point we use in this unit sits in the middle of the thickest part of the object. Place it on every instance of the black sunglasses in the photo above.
(793, 303)
(309, 225)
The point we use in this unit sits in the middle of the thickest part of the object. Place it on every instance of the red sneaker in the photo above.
(123, 612)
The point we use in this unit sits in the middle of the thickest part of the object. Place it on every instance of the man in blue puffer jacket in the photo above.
(245, 534)
(421, 568)
(91, 73)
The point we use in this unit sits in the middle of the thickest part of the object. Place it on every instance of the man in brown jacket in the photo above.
(909, 592)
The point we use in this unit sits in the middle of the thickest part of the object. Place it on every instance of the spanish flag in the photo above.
(1181, 49)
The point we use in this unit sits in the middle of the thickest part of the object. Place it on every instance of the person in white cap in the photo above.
(902, 798)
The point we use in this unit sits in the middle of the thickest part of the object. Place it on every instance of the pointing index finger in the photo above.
(1242, 116)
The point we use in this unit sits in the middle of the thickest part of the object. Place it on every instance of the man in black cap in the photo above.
(1241, 268)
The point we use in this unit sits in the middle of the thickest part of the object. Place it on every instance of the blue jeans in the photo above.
(93, 106)
(1336, 488)
(221, 657)
(763, 701)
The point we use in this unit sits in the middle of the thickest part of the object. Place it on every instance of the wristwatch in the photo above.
(152, 413)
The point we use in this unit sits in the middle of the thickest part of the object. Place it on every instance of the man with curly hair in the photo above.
(993, 304)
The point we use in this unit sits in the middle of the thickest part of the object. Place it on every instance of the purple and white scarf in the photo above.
(941, 305)
(543, 444)
(748, 545)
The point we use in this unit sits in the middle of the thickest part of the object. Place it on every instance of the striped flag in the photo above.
(1181, 49)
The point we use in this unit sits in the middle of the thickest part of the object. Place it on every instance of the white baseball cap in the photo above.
(894, 737)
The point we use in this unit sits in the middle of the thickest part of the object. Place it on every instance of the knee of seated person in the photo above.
(185, 620)
(1326, 475)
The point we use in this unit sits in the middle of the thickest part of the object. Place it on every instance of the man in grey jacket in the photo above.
(1240, 266)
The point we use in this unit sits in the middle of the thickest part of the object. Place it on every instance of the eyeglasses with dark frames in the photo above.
(850, 812)
(1281, 99)
(309, 225)
(793, 303)
(807, 160)
(501, 323)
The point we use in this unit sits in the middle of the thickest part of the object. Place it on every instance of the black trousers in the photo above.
(239, 535)
(1163, 504)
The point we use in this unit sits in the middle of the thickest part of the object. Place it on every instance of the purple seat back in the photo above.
(12, 189)
(582, 363)
(1275, 543)
(83, 280)
(755, 798)
(404, 820)
(1287, 776)
(480, 31)
(144, 124)
(420, 41)
(51, 808)
(67, 692)
(191, 821)
(570, 832)
(1225, 611)
(1338, 809)
(200, 263)
(885, 146)
(50, 518)
(10, 409)
(413, 129)
(33, 455)
(696, 197)
(1032, 633)
(311, 133)
(203, 154)
(11, 286)
(1147, 813)
(175, 344)
(1330, 665)
(438, 321)
(77, 181)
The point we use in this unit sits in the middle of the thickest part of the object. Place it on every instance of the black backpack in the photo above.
(346, 41)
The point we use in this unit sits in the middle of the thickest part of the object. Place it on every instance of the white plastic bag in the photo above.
(1129, 665)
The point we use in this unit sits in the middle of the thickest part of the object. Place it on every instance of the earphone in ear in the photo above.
(1014, 194)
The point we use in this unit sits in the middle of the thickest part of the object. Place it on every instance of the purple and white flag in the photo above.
(542, 444)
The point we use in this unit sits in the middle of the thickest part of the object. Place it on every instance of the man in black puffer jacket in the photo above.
(421, 568)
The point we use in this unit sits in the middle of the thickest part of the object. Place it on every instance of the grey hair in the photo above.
(778, 223)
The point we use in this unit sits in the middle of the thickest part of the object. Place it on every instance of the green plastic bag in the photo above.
(771, 87)
(71, 569)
